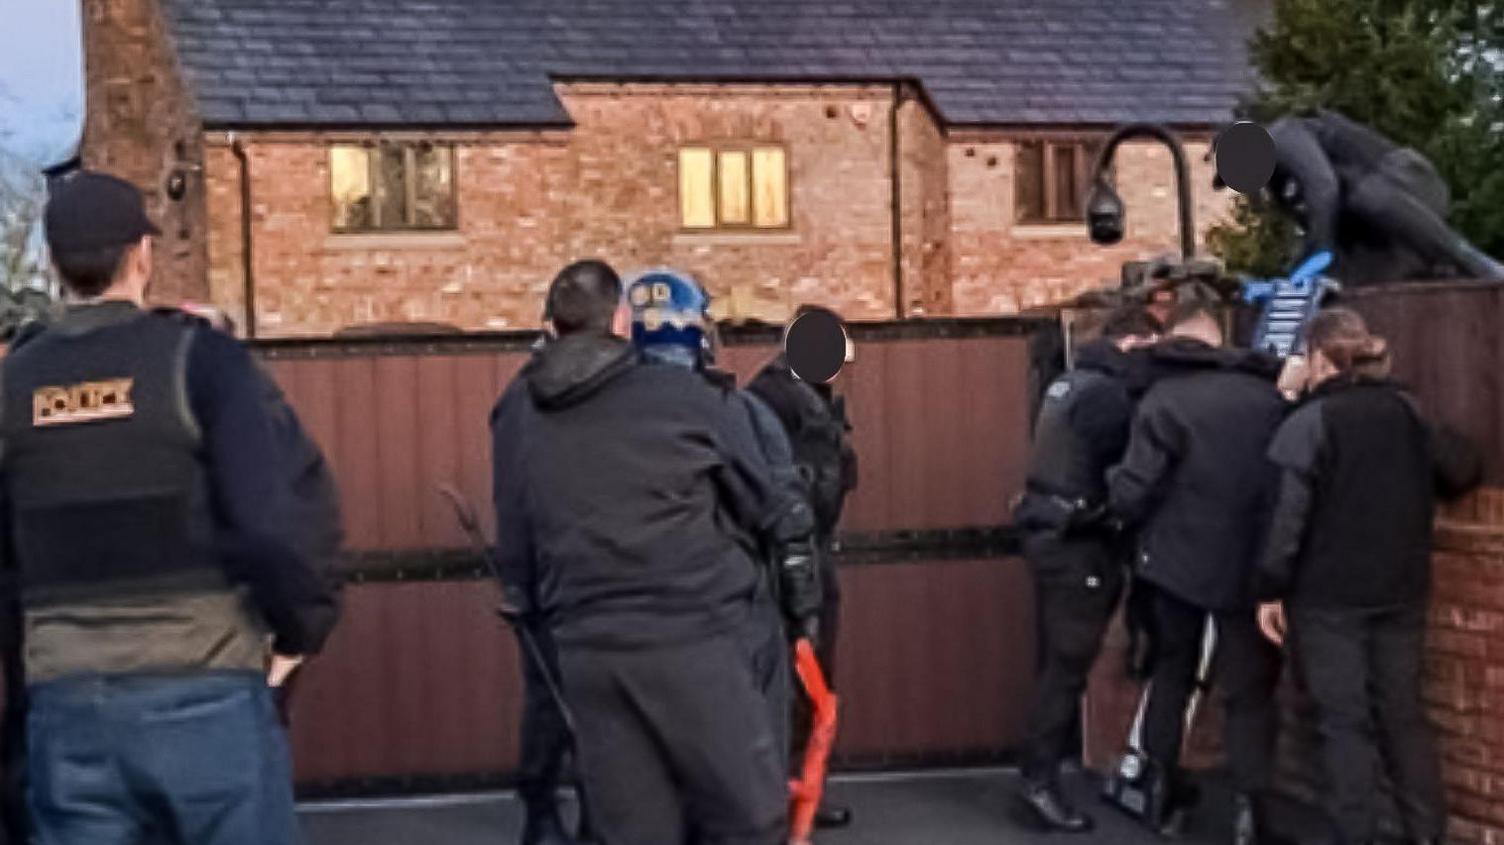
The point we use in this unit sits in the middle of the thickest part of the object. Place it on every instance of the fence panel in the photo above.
(1448, 348)
(419, 685)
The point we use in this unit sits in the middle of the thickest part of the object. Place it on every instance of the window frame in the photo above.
(749, 149)
(1090, 145)
(409, 149)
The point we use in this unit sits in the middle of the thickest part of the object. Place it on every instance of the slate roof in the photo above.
(492, 62)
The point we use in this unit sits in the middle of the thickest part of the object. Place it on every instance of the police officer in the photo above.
(629, 496)
(1195, 482)
(148, 519)
(791, 607)
(1077, 557)
(814, 418)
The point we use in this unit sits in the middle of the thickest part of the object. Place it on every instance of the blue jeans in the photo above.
(192, 759)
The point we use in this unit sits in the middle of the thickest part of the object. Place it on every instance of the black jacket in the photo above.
(819, 432)
(1316, 157)
(789, 548)
(317, 525)
(1195, 479)
(630, 497)
(1360, 470)
(1081, 433)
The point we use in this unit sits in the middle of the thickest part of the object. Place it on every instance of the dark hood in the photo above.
(1183, 356)
(570, 370)
(1103, 356)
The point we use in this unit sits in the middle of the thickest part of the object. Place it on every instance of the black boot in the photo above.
(1050, 810)
(829, 816)
(1170, 799)
(543, 825)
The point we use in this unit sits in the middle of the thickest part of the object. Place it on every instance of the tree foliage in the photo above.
(1426, 73)
(25, 273)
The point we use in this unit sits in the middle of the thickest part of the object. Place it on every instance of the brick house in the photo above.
(437, 161)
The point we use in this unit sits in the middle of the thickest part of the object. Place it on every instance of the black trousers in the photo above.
(1363, 671)
(1077, 586)
(1406, 200)
(545, 734)
(830, 610)
(677, 739)
(1246, 674)
(772, 670)
(825, 649)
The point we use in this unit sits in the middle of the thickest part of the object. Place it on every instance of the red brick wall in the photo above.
(1465, 664)
(140, 125)
(486, 275)
(1000, 267)
(528, 203)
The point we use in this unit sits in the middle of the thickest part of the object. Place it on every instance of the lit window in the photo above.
(770, 206)
(1051, 178)
(697, 188)
(392, 187)
(733, 188)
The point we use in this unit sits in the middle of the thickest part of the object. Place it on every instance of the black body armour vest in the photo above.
(1061, 463)
(109, 495)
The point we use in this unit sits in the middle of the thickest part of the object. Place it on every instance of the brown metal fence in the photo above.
(1448, 348)
(420, 682)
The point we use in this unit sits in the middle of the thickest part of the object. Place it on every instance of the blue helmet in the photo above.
(669, 312)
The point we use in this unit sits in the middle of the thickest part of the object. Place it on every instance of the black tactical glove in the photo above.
(808, 629)
(1085, 517)
(799, 586)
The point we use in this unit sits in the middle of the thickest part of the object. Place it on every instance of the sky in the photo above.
(41, 80)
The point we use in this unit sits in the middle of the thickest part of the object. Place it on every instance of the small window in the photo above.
(1051, 178)
(392, 187)
(733, 188)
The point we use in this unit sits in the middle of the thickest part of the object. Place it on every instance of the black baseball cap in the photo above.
(90, 210)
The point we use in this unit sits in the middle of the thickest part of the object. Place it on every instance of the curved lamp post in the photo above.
(1104, 208)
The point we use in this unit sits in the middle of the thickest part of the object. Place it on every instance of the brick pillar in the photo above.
(924, 208)
(140, 125)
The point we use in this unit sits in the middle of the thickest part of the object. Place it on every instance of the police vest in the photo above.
(102, 467)
(1061, 463)
(109, 501)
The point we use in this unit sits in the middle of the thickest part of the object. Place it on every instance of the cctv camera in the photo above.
(1104, 215)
